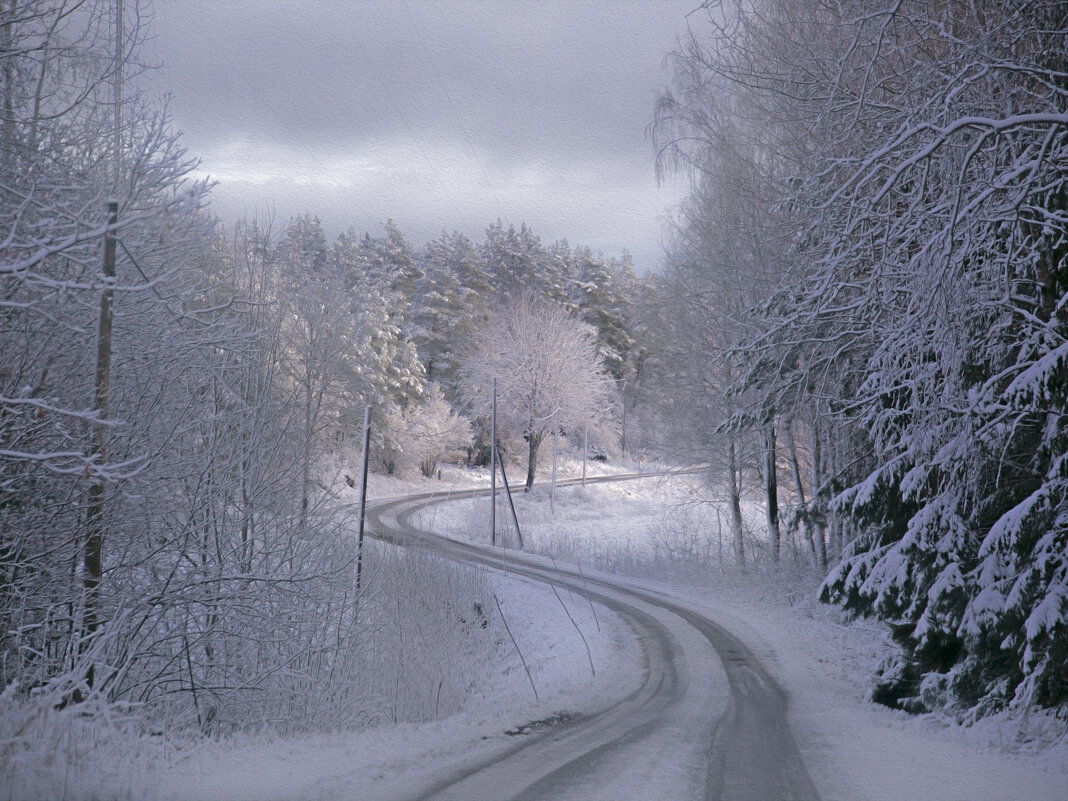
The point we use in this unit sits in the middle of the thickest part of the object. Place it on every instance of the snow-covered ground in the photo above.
(859, 751)
(854, 750)
(381, 762)
(397, 762)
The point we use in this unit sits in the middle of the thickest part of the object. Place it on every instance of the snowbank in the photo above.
(855, 750)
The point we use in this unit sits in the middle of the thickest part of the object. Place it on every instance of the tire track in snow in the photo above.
(750, 752)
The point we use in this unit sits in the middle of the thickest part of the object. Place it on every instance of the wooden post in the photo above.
(552, 490)
(493, 465)
(94, 541)
(511, 503)
(585, 447)
(363, 493)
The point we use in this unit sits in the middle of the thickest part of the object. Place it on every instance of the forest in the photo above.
(861, 321)
(881, 188)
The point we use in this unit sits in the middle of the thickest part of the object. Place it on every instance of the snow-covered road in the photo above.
(708, 721)
(686, 670)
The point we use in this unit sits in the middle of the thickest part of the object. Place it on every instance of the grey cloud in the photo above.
(501, 89)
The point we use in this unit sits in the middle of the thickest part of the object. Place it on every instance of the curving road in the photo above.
(679, 736)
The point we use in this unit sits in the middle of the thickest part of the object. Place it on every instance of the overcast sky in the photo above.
(438, 114)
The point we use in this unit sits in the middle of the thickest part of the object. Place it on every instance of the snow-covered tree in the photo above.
(390, 369)
(80, 292)
(391, 268)
(547, 369)
(323, 367)
(450, 306)
(604, 291)
(962, 534)
(727, 258)
(513, 260)
(158, 541)
(917, 164)
(424, 435)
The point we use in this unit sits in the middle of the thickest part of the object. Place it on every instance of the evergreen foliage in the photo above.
(909, 176)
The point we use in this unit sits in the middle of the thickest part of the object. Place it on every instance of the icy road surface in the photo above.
(708, 722)
(655, 662)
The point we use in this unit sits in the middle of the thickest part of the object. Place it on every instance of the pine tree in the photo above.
(392, 372)
(513, 259)
(450, 307)
(603, 291)
(391, 268)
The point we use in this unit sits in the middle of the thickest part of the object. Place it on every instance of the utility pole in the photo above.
(93, 557)
(94, 540)
(511, 503)
(119, 48)
(552, 491)
(493, 465)
(363, 493)
(585, 447)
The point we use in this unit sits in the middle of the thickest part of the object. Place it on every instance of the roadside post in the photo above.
(493, 465)
(363, 493)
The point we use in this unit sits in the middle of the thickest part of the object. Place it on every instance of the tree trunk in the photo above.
(834, 522)
(7, 92)
(532, 462)
(305, 483)
(819, 520)
(735, 502)
(94, 541)
(771, 490)
(800, 519)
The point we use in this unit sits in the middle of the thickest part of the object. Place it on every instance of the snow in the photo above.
(399, 761)
(1033, 383)
(1050, 612)
(1009, 524)
(859, 751)
(854, 750)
